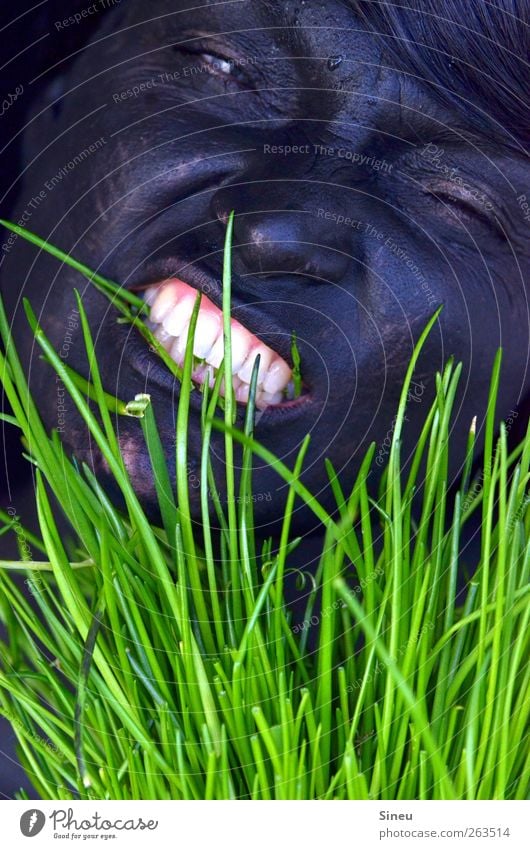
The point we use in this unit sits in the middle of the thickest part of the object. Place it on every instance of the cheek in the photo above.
(402, 276)
(407, 280)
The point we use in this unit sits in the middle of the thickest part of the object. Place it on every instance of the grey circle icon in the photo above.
(32, 822)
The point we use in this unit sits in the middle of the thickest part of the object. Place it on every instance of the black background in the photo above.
(29, 45)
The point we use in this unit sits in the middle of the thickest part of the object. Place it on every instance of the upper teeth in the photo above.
(171, 309)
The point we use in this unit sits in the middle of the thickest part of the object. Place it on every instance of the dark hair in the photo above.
(474, 52)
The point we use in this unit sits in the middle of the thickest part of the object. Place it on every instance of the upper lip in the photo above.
(255, 320)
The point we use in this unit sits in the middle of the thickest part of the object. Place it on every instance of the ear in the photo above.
(59, 45)
(40, 124)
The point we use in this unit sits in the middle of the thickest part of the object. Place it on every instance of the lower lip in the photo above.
(155, 371)
(283, 410)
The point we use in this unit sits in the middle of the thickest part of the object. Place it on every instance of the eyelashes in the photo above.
(465, 199)
(453, 194)
(462, 193)
(225, 68)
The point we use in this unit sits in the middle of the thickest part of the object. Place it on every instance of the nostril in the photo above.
(282, 238)
(263, 253)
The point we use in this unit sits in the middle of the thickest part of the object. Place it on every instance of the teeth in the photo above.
(265, 358)
(150, 295)
(277, 377)
(206, 332)
(268, 398)
(242, 393)
(204, 374)
(179, 316)
(178, 349)
(171, 310)
(165, 339)
(164, 302)
(241, 344)
(216, 354)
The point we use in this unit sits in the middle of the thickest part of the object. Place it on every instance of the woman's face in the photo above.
(361, 205)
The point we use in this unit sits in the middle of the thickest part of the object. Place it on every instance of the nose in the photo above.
(272, 235)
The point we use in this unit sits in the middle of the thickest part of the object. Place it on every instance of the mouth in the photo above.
(171, 305)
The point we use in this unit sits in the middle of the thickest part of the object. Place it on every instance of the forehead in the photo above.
(285, 10)
(307, 23)
(293, 46)
(313, 55)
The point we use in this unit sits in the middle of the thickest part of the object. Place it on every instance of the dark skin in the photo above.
(362, 204)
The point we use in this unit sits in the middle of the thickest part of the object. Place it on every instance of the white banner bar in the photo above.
(260, 825)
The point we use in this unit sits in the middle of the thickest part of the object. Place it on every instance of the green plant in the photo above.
(156, 670)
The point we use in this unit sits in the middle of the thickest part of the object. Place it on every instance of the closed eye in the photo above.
(466, 198)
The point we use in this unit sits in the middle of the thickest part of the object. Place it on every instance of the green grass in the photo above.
(155, 670)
